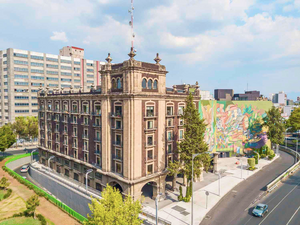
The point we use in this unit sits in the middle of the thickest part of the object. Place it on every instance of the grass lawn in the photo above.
(20, 221)
(2, 193)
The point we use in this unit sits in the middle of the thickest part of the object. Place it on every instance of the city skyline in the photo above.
(222, 44)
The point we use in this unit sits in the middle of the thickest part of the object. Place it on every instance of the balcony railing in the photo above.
(84, 123)
(85, 112)
(117, 157)
(97, 152)
(74, 111)
(74, 122)
(118, 143)
(74, 134)
(85, 136)
(97, 139)
(116, 114)
(96, 113)
(96, 125)
(149, 144)
(150, 158)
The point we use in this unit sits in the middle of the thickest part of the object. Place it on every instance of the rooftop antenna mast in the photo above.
(131, 23)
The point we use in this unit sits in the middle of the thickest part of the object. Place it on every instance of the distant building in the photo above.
(206, 95)
(289, 102)
(286, 111)
(223, 94)
(248, 96)
(279, 98)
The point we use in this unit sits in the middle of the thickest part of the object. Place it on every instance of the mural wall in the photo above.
(233, 126)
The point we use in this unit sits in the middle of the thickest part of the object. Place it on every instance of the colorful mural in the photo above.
(233, 126)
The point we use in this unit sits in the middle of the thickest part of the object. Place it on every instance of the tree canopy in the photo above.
(111, 209)
(293, 123)
(7, 137)
(31, 204)
(275, 124)
(26, 127)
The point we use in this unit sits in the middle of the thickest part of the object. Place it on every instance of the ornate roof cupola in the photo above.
(132, 53)
(108, 59)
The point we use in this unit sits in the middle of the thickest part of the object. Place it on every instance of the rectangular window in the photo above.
(65, 61)
(150, 140)
(150, 169)
(37, 71)
(118, 139)
(37, 57)
(118, 124)
(119, 154)
(169, 122)
(89, 70)
(37, 78)
(170, 110)
(65, 79)
(65, 67)
(37, 84)
(89, 64)
(52, 66)
(52, 78)
(170, 136)
(52, 59)
(21, 83)
(66, 74)
(180, 110)
(150, 111)
(20, 62)
(20, 55)
(18, 69)
(21, 97)
(76, 63)
(52, 72)
(150, 155)
(90, 81)
(66, 173)
(180, 134)
(119, 168)
(21, 76)
(76, 177)
(90, 76)
(37, 64)
(118, 110)
(150, 124)
(169, 148)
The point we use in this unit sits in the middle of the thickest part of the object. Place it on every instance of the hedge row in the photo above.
(39, 191)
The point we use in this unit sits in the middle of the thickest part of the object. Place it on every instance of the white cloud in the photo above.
(59, 36)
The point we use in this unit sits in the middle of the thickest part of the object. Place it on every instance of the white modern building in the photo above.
(206, 95)
(22, 72)
(279, 98)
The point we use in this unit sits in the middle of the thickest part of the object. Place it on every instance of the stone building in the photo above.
(126, 132)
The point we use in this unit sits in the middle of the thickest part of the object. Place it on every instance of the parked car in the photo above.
(24, 169)
(260, 210)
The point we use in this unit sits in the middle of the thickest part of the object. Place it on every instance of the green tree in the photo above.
(31, 205)
(32, 126)
(4, 183)
(7, 137)
(193, 142)
(293, 123)
(20, 127)
(173, 168)
(275, 124)
(111, 209)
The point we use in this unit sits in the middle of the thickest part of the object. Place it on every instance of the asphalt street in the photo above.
(234, 207)
(284, 205)
(16, 152)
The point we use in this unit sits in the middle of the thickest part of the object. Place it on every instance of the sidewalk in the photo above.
(180, 212)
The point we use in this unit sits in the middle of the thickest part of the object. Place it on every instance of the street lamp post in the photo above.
(193, 156)
(156, 208)
(32, 155)
(86, 177)
(51, 157)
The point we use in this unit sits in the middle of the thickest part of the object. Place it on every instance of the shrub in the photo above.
(271, 157)
(256, 159)
(263, 156)
(251, 162)
(7, 194)
(271, 152)
(18, 214)
(252, 168)
(180, 194)
(42, 219)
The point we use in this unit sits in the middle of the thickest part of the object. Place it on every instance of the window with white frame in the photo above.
(150, 124)
(170, 148)
(118, 167)
(150, 111)
(150, 154)
(180, 134)
(180, 110)
(150, 141)
(85, 108)
(170, 136)
(149, 169)
(169, 110)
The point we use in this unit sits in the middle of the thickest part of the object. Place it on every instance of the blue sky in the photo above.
(219, 43)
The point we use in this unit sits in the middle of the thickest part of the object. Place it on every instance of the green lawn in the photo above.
(20, 221)
(2, 193)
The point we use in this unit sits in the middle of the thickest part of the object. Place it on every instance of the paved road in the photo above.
(15, 152)
(233, 207)
(284, 205)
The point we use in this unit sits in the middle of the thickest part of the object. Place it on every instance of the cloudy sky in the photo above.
(219, 43)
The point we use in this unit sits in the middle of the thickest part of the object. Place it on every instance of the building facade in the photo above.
(23, 72)
(247, 96)
(223, 94)
(126, 133)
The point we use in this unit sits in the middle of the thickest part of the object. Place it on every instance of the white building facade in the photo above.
(22, 72)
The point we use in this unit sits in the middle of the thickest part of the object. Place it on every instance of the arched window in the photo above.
(114, 84)
(144, 83)
(119, 84)
(155, 84)
(149, 84)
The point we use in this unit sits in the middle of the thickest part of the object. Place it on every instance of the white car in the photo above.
(24, 169)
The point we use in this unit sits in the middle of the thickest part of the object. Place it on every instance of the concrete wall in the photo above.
(15, 164)
(72, 198)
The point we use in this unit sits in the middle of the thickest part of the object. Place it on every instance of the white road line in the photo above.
(278, 204)
(293, 216)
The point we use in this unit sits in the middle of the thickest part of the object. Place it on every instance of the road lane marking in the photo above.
(278, 204)
(293, 216)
